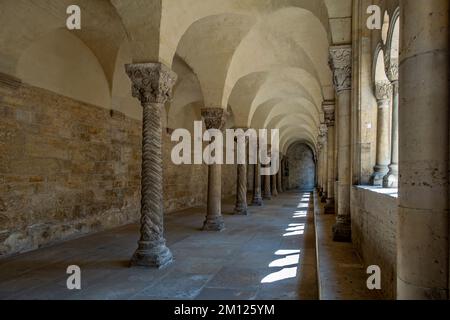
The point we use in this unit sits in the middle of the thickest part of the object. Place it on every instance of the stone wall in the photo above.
(68, 168)
(374, 223)
(301, 167)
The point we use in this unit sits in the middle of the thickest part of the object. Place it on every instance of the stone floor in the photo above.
(341, 272)
(269, 254)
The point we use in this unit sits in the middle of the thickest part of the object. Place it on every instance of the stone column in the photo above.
(279, 183)
(241, 207)
(287, 172)
(250, 178)
(390, 180)
(423, 219)
(257, 196)
(383, 93)
(214, 118)
(319, 168)
(328, 109)
(283, 178)
(267, 194)
(324, 152)
(341, 64)
(152, 84)
(273, 179)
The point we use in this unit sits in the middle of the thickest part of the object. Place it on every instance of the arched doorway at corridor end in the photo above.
(302, 167)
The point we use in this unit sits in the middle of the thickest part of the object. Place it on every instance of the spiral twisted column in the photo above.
(152, 84)
(241, 207)
(214, 118)
(257, 196)
(267, 194)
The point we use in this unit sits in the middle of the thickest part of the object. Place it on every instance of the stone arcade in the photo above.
(86, 171)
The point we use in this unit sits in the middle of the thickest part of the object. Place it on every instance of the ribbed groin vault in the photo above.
(90, 122)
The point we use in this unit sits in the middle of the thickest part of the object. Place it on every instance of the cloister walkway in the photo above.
(269, 254)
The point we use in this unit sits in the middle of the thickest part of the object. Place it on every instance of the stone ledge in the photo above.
(390, 192)
(340, 271)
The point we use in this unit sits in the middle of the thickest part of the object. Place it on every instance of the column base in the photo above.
(275, 194)
(342, 231)
(153, 255)
(214, 224)
(390, 180)
(241, 211)
(257, 202)
(267, 197)
(329, 207)
(376, 179)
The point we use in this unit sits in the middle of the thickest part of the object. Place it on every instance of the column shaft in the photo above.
(423, 218)
(257, 196)
(329, 110)
(391, 179)
(341, 63)
(279, 183)
(325, 170)
(241, 190)
(267, 194)
(383, 93)
(273, 179)
(152, 84)
(214, 119)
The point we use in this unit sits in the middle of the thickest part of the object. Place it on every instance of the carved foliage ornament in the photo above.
(391, 66)
(341, 64)
(214, 117)
(151, 82)
(329, 113)
(383, 90)
(322, 138)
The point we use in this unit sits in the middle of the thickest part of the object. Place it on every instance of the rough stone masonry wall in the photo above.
(301, 167)
(68, 168)
(374, 223)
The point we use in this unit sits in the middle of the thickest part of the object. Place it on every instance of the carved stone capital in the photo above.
(151, 82)
(323, 130)
(383, 90)
(329, 113)
(340, 62)
(322, 137)
(214, 118)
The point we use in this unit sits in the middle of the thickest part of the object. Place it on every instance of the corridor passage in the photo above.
(269, 254)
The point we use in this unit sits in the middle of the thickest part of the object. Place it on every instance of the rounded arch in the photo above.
(102, 30)
(295, 140)
(187, 100)
(70, 68)
(295, 109)
(256, 89)
(288, 38)
(378, 65)
(302, 166)
(391, 50)
(177, 16)
(208, 45)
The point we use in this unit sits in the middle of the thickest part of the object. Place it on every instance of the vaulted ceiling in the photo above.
(265, 61)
